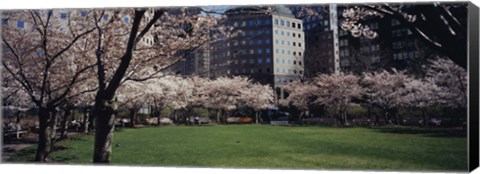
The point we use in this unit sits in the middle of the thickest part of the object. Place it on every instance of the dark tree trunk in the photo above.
(425, 117)
(104, 126)
(256, 117)
(386, 116)
(44, 143)
(63, 131)
(133, 116)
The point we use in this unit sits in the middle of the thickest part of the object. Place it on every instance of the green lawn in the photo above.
(264, 146)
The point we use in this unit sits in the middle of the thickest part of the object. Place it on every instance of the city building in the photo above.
(268, 48)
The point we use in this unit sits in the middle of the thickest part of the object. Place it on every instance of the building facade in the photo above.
(268, 48)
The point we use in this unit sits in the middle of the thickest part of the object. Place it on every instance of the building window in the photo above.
(259, 22)
(105, 17)
(252, 51)
(294, 62)
(5, 21)
(267, 50)
(283, 33)
(244, 23)
(299, 26)
(289, 62)
(251, 42)
(276, 22)
(276, 41)
(299, 35)
(283, 61)
(268, 70)
(293, 24)
(299, 44)
(267, 31)
(83, 13)
(259, 51)
(63, 15)
(283, 51)
(267, 21)
(294, 44)
(260, 61)
(267, 41)
(300, 63)
(293, 34)
(125, 19)
(288, 23)
(244, 33)
(294, 53)
(259, 41)
(276, 51)
(244, 42)
(282, 23)
(235, 24)
(251, 33)
(288, 52)
(283, 42)
(288, 43)
(20, 24)
(251, 23)
(300, 53)
(276, 60)
(267, 60)
(288, 33)
(276, 31)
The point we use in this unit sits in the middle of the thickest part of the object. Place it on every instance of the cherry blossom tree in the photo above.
(452, 80)
(386, 90)
(258, 97)
(301, 95)
(43, 54)
(337, 91)
(132, 96)
(225, 94)
(441, 26)
(422, 94)
(139, 49)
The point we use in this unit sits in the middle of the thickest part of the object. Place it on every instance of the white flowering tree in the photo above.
(386, 90)
(257, 97)
(452, 80)
(422, 94)
(337, 91)
(441, 26)
(138, 49)
(225, 94)
(43, 53)
(301, 95)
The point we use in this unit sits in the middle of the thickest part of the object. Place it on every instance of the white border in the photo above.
(74, 169)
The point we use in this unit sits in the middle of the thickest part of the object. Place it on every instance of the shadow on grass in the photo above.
(429, 132)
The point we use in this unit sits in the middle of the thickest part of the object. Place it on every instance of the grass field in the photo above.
(264, 146)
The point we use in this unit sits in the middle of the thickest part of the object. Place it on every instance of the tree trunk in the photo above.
(256, 117)
(104, 126)
(44, 142)
(133, 115)
(157, 113)
(300, 118)
(425, 117)
(218, 116)
(86, 122)
(386, 115)
(63, 131)
(53, 128)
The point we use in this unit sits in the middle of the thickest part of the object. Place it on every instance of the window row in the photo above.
(286, 23)
(251, 70)
(252, 22)
(288, 71)
(252, 61)
(256, 32)
(288, 52)
(281, 32)
(278, 61)
(288, 43)
(405, 55)
(250, 42)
